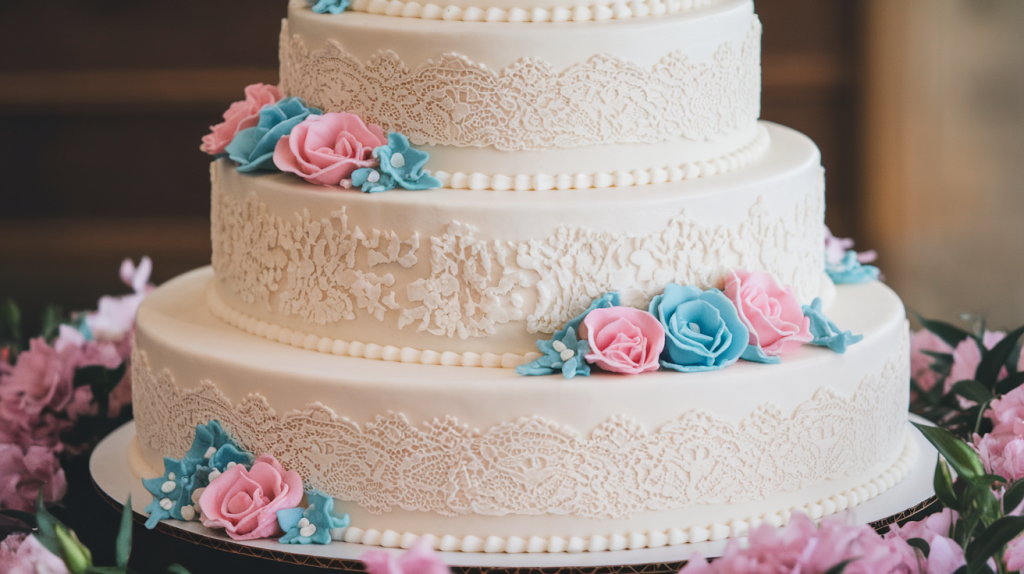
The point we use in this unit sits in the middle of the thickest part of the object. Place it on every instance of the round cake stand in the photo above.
(114, 480)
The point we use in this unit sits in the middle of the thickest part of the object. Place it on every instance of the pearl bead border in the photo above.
(652, 539)
(618, 10)
(748, 155)
(356, 349)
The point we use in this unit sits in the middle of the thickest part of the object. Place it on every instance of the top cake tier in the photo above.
(502, 105)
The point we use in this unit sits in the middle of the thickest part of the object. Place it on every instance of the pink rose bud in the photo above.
(245, 502)
(326, 149)
(772, 313)
(624, 340)
(241, 115)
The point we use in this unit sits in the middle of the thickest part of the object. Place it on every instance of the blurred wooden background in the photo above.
(103, 103)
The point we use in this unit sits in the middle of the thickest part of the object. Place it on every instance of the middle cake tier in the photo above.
(475, 278)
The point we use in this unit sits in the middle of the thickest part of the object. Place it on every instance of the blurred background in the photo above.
(917, 106)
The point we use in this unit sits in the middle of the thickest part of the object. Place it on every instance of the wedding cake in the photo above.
(557, 157)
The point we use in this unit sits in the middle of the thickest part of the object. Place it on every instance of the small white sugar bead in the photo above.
(373, 177)
(168, 487)
(397, 160)
(567, 354)
(166, 503)
(209, 453)
(304, 522)
(232, 464)
(307, 530)
(214, 474)
(558, 346)
(188, 512)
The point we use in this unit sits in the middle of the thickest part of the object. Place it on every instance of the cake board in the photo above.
(114, 481)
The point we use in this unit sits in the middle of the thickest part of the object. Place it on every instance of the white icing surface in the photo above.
(183, 345)
(487, 272)
(519, 11)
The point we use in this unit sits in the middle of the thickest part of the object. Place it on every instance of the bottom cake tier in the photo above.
(485, 460)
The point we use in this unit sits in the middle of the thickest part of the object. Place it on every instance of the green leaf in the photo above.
(839, 568)
(10, 321)
(123, 548)
(177, 569)
(1013, 496)
(921, 544)
(960, 456)
(992, 361)
(45, 521)
(105, 570)
(972, 390)
(991, 540)
(26, 517)
(1012, 381)
(943, 483)
(101, 379)
(948, 333)
(52, 318)
(76, 556)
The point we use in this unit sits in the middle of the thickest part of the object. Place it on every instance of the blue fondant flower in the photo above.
(212, 452)
(703, 330)
(555, 352)
(850, 270)
(372, 180)
(825, 332)
(405, 163)
(253, 148)
(329, 6)
(563, 354)
(313, 524)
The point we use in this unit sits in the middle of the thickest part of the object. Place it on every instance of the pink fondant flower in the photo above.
(23, 554)
(624, 339)
(24, 471)
(240, 115)
(245, 502)
(326, 149)
(772, 313)
(800, 547)
(419, 559)
(921, 363)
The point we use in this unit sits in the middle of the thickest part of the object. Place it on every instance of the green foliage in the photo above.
(994, 359)
(991, 541)
(960, 456)
(839, 568)
(950, 334)
(943, 483)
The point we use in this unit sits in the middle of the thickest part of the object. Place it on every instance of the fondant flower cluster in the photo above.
(844, 265)
(224, 486)
(268, 132)
(689, 329)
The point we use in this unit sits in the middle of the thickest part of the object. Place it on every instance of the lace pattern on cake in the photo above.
(308, 267)
(534, 465)
(530, 106)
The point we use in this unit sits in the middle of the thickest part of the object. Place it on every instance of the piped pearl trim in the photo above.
(739, 159)
(618, 10)
(254, 326)
(652, 539)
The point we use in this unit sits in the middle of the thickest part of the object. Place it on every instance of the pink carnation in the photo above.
(772, 313)
(800, 547)
(326, 149)
(920, 363)
(23, 472)
(1014, 555)
(245, 502)
(419, 559)
(945, 555)
(42, 378)
(23, 554)
(967, 357)
(240, 115)
(624, 340)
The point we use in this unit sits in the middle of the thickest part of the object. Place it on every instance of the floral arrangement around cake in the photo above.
(267, 132)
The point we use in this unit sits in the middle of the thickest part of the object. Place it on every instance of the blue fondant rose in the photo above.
(404, 163)
(703, 330)
(253, 148)
(329, 6)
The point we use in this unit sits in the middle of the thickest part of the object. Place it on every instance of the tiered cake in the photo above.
(369, 341)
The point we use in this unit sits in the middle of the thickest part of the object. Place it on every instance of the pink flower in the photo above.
(42, 378)
(1009, 408)
(245, 502)
(23, 554)
(772, 314)
(624, 339)
(419, 559)
(836, 248)
(326, 149)
(1002, 451)
(240, 115)
(802, 548)
(967, 357)
(23, 472)
(115, 316)
(945, 555)
(1014, 555)
(920, 363)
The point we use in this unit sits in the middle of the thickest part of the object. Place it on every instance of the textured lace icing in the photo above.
(534, 465)
(530, 105)
(309, 267)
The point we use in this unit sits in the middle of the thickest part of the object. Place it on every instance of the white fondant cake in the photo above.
(608, 153)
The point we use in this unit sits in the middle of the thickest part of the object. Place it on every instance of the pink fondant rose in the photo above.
(326, 149)
(245, 502)
(241, 115)
(772, 313)
(624, 340)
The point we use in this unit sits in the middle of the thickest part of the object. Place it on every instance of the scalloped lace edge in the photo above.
(594, 11)
(274, 332)
(739, 159)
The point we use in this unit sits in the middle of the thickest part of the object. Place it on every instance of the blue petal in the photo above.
(330, 6)
(703, 331)
(825, 332)
(849, 270)
(756, 354)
